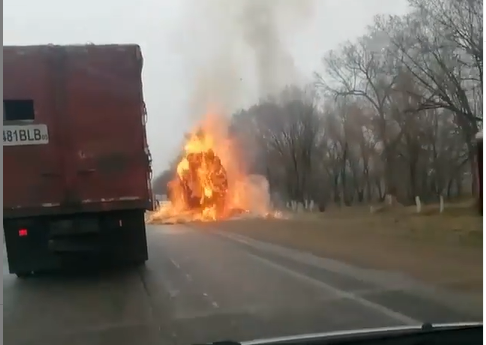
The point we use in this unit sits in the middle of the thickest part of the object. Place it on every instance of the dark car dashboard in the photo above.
(426, 334)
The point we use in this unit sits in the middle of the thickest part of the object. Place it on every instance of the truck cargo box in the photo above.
(74, 135)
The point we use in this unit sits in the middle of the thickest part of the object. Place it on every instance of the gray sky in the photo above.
(190, 46)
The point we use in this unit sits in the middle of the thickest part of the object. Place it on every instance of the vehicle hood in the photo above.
(313, 336)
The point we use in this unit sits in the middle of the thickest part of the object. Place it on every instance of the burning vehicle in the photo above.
(210, 181)
(201, 184)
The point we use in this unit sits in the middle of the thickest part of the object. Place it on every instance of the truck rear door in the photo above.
(33, 167)
(104, 101)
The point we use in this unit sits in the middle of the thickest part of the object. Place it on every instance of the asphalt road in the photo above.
(203, 286)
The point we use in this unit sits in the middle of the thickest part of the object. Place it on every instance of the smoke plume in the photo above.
(237, 50)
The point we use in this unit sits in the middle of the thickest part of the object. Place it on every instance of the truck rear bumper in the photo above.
(53, 242)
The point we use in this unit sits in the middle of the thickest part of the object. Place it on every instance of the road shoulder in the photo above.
(448, 266)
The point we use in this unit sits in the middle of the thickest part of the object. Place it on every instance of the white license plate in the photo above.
(17, 135)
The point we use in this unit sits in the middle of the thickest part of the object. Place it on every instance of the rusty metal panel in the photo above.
(33, 175)
(90, 98)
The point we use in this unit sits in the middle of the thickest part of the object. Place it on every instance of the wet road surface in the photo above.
(201, 286)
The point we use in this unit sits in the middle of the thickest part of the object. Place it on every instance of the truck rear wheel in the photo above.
(23, 275)
(140, 262)
(128, 243)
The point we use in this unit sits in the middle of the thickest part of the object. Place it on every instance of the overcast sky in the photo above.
(188, 44)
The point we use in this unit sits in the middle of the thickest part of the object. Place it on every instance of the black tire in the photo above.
(23, 275)
(140, 262)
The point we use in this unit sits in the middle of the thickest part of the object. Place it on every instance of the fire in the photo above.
(201, 177)
(210, 182)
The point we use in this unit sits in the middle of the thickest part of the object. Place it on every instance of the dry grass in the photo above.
(443, 249)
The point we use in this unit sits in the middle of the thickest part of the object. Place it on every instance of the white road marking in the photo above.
(213, 303)
(364, 302)
(236, 238)
(175, 263)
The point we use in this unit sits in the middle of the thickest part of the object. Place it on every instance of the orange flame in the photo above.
(210, 181)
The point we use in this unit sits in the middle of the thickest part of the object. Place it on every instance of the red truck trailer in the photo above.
(77, 166)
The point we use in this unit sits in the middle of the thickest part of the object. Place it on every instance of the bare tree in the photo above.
(365, 69)
(440, 44)
(394, 112)
(285, 129)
